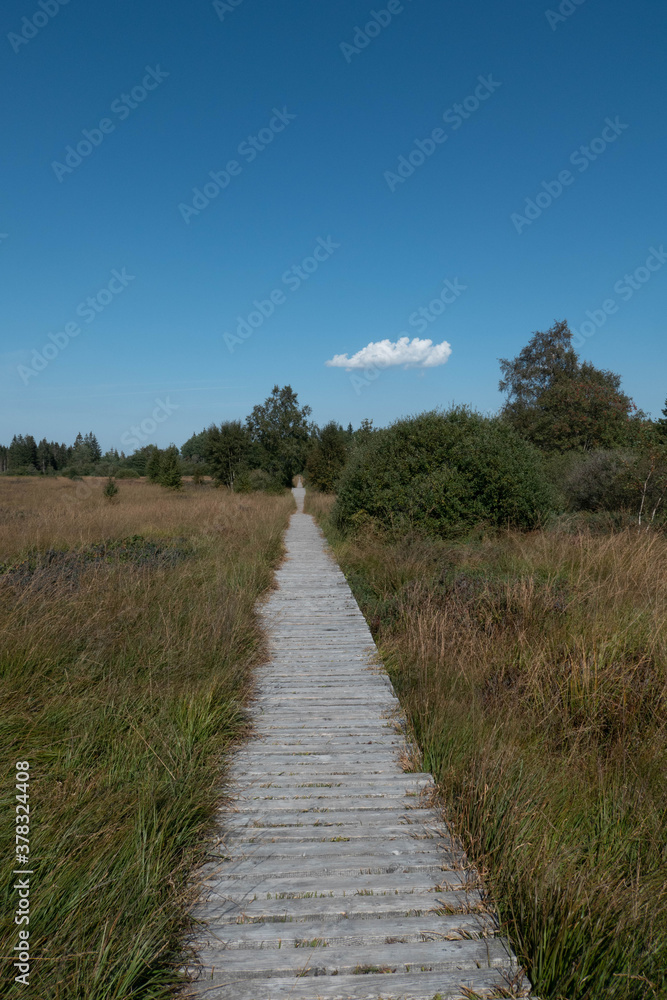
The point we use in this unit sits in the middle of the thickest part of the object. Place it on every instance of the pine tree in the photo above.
(170, 470)
(93, 447)
(110, 490)
(154, 466)
(45, 459)
(22, 452)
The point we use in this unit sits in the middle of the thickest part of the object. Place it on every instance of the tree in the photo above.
(327, 457)
(85, 453)
(170, 469)
(228, 451)
(45, 456)
(110, 490)
(61, 455)
(154, 465)
(139, 460)
(280, 429)
(197, 447)
(22, 453)
(364, 432)
(559, 403)
(94, 449)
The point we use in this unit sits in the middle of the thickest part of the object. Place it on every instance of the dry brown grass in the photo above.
(533, 668)
(59, 513)
(129, 631)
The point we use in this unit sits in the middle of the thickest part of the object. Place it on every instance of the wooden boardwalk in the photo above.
(335, 876)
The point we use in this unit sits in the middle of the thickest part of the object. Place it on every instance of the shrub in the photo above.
(110, 491)
(256, 481)
(23, 470)
(443, 474)
(598, 481)
(618, 482)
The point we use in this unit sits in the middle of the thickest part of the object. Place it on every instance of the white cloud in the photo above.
(408, 353)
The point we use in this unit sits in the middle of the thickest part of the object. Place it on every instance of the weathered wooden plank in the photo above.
(331, 863)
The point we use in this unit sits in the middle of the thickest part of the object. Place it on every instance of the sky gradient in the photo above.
(203, 200)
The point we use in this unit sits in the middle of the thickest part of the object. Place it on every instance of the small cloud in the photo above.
(407, 353)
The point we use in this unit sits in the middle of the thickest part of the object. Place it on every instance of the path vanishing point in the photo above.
(334, 875)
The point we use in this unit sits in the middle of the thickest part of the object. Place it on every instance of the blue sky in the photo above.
(314, 117)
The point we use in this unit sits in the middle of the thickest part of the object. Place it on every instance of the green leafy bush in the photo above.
(327, 457)
(256, 481)
(599, 480)
(442, 474)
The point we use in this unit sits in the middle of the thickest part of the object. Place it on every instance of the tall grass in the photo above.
(533, 668)
(124, 666)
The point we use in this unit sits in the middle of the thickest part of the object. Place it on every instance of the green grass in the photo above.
(533, 669)
(123, 684)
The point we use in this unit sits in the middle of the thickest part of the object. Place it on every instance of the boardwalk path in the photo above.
(335, 877)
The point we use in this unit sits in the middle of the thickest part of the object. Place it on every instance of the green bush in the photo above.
(598, 481)
(442, 474)
(327, 457)
(257, 481)
(23, 470)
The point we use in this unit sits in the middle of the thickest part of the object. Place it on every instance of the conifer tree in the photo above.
(110, 490)
(170, 469)
(154, 466)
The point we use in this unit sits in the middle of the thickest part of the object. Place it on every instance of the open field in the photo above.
(128, 634)
(533, 668)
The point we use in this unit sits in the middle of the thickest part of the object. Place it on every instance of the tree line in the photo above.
(593, 439)
(276, 442)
